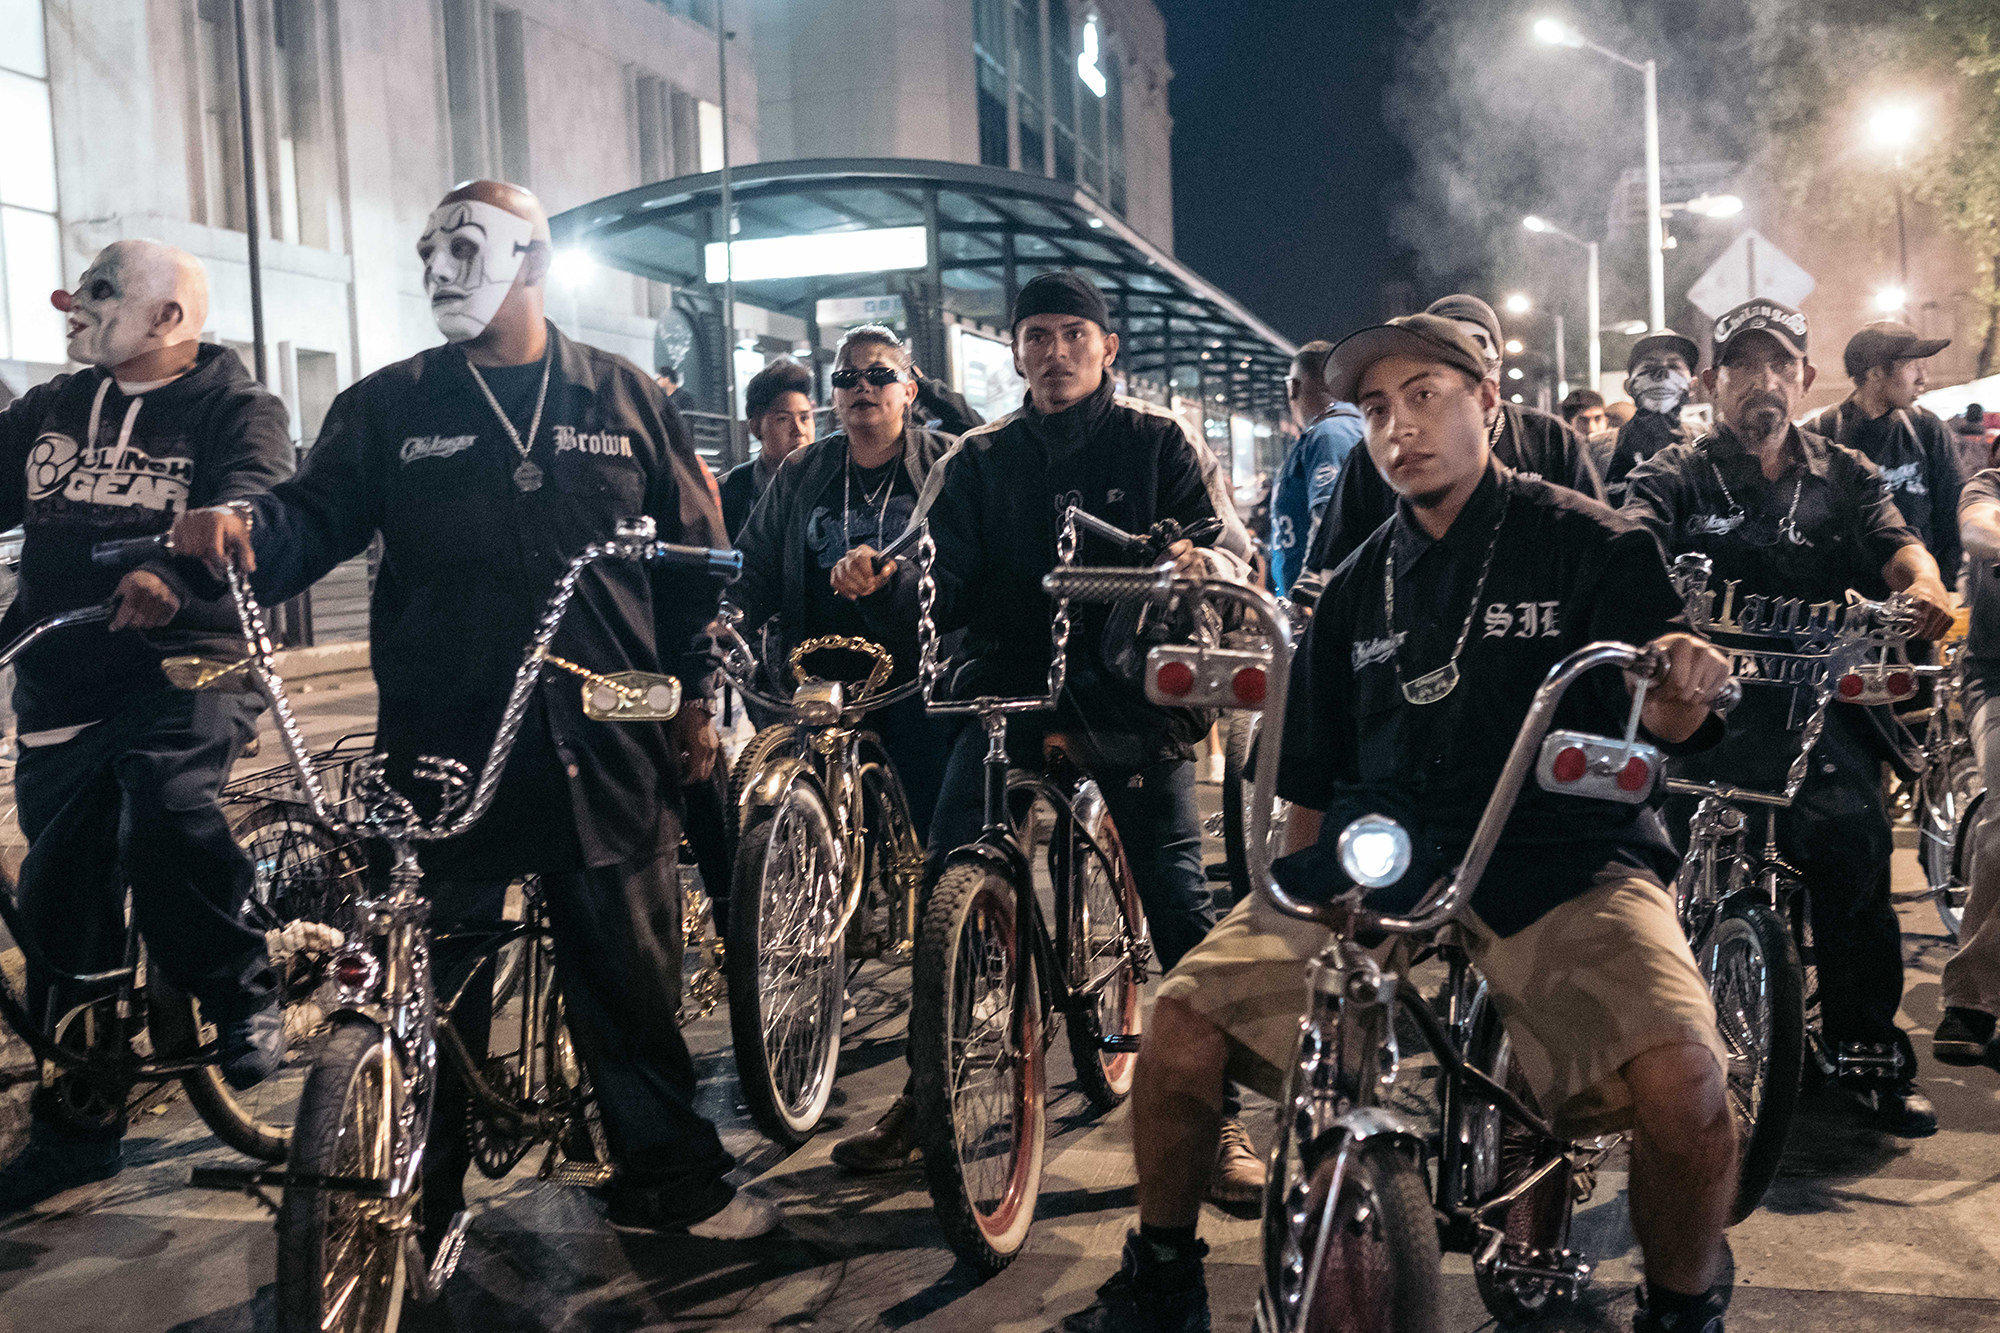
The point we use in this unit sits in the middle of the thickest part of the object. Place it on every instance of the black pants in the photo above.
(1837, 835)
(618, 958)
(918, 744)
(131, 802)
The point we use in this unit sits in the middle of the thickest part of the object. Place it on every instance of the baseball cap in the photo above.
(1665, 340)
(1463, 305)
(1761, 315)
(1884, 341)
(1430, 337)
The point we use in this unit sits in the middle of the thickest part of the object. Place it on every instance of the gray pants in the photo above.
(1972, 977)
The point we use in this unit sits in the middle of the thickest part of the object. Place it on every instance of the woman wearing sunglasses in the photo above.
(856, 487)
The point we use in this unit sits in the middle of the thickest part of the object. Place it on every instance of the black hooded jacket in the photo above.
(996, 522)
(1530, 441)
(83, 462)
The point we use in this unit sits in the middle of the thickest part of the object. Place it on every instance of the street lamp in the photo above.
(1542, 226)
(1893, 126)
(1517, 303)
(1888, 300)
(1554, 32)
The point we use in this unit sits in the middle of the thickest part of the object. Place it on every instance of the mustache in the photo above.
(1762, 400)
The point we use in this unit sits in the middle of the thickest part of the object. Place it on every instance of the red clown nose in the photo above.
(61, 300)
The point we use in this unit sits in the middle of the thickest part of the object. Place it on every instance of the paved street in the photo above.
(1861, 1232)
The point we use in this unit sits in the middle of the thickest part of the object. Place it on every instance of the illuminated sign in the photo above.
(1086, 64)
(769, 258)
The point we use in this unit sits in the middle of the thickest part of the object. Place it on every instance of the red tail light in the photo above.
(1902, 684)
(1249, 685)
(1175, 678)
(1637, 775)
(1569, 765)
(1851, 685)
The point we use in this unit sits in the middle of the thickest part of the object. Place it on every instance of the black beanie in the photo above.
(1062, 292)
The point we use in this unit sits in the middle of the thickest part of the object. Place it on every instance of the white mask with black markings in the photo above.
(472, 252)
(1659, 387)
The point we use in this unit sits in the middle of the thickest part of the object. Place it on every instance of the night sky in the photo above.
(1284, 167)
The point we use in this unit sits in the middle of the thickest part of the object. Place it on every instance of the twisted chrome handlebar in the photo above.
(387, 812)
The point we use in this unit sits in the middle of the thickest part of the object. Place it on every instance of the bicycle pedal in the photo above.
(1868, 1063)
(428, 1280)
(1121, 1044)
(580, 1175)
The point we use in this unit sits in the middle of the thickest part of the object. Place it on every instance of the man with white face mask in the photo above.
(1659, 374)
(485, 465)
(119, 771)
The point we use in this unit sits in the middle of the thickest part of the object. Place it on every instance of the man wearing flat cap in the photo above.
(1406, 696)
(996, 522)
(1784, 513)
(1910, 444)
(1524, 438)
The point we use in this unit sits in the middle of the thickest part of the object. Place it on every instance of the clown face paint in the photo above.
(1659, 384)
(471, 253)
(110, 317)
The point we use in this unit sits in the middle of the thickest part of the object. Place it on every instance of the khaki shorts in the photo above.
(1595, 983)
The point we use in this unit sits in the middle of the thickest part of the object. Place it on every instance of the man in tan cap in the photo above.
(1409, 689)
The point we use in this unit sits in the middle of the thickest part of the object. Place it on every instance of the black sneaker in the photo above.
(1900, 1109)
(1962, 1037)
(1704, 1318)
(253, 1046)
(51, 1165)
(1148, 1295)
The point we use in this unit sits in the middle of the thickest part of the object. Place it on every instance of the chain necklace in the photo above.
(1788, 527)
(528, 476)
(1432, 686)
(847, 501)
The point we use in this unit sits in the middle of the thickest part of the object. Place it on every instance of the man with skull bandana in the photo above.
(1521, 437)
(485, 465)
(119, 771)
(1785, 513)
(1659, 374)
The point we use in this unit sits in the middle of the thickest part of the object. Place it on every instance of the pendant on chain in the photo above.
(1432, 685)
(528, 476)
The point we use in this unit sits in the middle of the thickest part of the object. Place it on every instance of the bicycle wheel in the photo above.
(340, 1255)
(1754, 975)
(882, 923)
(1949, 849)
(1503, 1153)
(1239, 733)
(1360, 1239)
(787, 963)
(1106, 926)
(306, 877)
(980, 1094)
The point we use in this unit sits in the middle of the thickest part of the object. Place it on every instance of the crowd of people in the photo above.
(1452, 545)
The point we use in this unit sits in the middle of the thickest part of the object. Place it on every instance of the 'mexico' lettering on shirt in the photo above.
(435, 446)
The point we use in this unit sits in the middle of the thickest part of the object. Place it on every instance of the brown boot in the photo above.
(1239, 1171)
(890, 1146)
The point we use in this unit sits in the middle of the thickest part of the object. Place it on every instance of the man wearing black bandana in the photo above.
(1523, 438)
(1784, 513)
(486, 465)
(1659, 374)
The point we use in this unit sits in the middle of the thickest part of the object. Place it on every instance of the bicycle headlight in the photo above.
(1374, 851)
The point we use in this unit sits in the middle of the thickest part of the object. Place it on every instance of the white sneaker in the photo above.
(744, 1217)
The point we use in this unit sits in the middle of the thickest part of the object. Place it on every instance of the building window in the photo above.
(1030, 53)
(989, 58)
(1089, 113)
(1114, 131)
(486, 85)
(218, 165)
(1062, 92)
(30, 241)
(299, 154)
(694, 11)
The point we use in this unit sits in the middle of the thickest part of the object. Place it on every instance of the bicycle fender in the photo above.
(768, 784)
(1002, 858)
(1366, 1122)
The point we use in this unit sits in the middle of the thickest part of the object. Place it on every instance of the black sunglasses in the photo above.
(879, 376)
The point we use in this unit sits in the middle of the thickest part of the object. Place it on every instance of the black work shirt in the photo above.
(415, 453)
(1824, 525)
(1565, 571)
(1638, 440)
(857, 506)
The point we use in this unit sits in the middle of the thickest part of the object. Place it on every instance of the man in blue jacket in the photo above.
(1328, 432)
